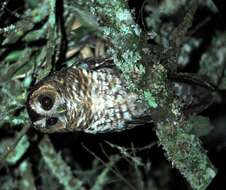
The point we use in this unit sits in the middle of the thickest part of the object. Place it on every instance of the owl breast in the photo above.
(99, 102)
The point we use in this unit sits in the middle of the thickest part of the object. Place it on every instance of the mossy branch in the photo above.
(132, 58)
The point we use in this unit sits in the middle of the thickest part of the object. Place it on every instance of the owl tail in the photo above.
(196, 93)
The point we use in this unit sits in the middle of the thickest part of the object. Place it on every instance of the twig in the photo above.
(113, 170)
(102, 179)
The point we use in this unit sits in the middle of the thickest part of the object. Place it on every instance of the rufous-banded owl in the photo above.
(93, 98)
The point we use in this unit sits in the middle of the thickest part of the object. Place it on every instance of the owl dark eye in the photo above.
(46, 102)
(51, 121)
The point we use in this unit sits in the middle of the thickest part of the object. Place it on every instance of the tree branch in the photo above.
(144, 75)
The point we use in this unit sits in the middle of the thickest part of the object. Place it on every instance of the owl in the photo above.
(93, 98)
(90, 98)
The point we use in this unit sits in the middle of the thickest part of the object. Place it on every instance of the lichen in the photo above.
(182, 149)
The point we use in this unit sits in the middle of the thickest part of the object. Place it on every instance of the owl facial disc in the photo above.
(46, 109)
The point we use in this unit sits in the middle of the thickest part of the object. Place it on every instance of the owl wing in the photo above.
(139, 121)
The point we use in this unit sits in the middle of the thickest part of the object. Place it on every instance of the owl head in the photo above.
(46, 108)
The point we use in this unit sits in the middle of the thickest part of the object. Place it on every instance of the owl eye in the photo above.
(51, 121)
(46, 102)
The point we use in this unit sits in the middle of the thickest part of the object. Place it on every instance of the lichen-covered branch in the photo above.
(132, 58)
(117, 23)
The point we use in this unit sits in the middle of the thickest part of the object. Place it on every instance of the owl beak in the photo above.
(61, 109)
